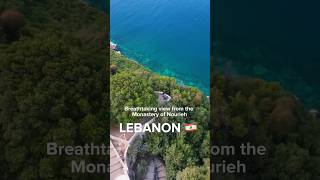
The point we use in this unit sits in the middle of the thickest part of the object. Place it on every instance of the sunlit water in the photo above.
(170, 37)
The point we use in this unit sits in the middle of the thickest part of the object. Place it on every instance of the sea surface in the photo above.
(273, 40)
(269, 39)
(170, 37)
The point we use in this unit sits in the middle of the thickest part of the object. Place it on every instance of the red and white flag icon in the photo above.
(190, 127)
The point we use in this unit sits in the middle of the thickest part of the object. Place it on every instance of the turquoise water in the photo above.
(170, 37)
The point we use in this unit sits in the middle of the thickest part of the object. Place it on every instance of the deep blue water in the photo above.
(271, 39)
(170, 37)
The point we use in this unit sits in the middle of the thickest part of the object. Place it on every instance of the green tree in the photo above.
(195, 172)
(129, 90)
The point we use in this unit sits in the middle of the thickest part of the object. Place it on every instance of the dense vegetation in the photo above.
(52, 85)
(251, 110)
(132, 84)
(53, 88)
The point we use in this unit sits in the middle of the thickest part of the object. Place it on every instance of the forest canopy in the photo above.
(134, 85)
(264, 114)
(52, 85)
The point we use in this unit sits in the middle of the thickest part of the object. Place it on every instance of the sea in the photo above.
(270, 39)
(274, 40)
(169, 37)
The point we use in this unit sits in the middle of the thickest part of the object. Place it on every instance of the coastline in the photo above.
(189, 82)
(180, 82)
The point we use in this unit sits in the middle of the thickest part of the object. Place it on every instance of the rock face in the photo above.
(156, 170)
